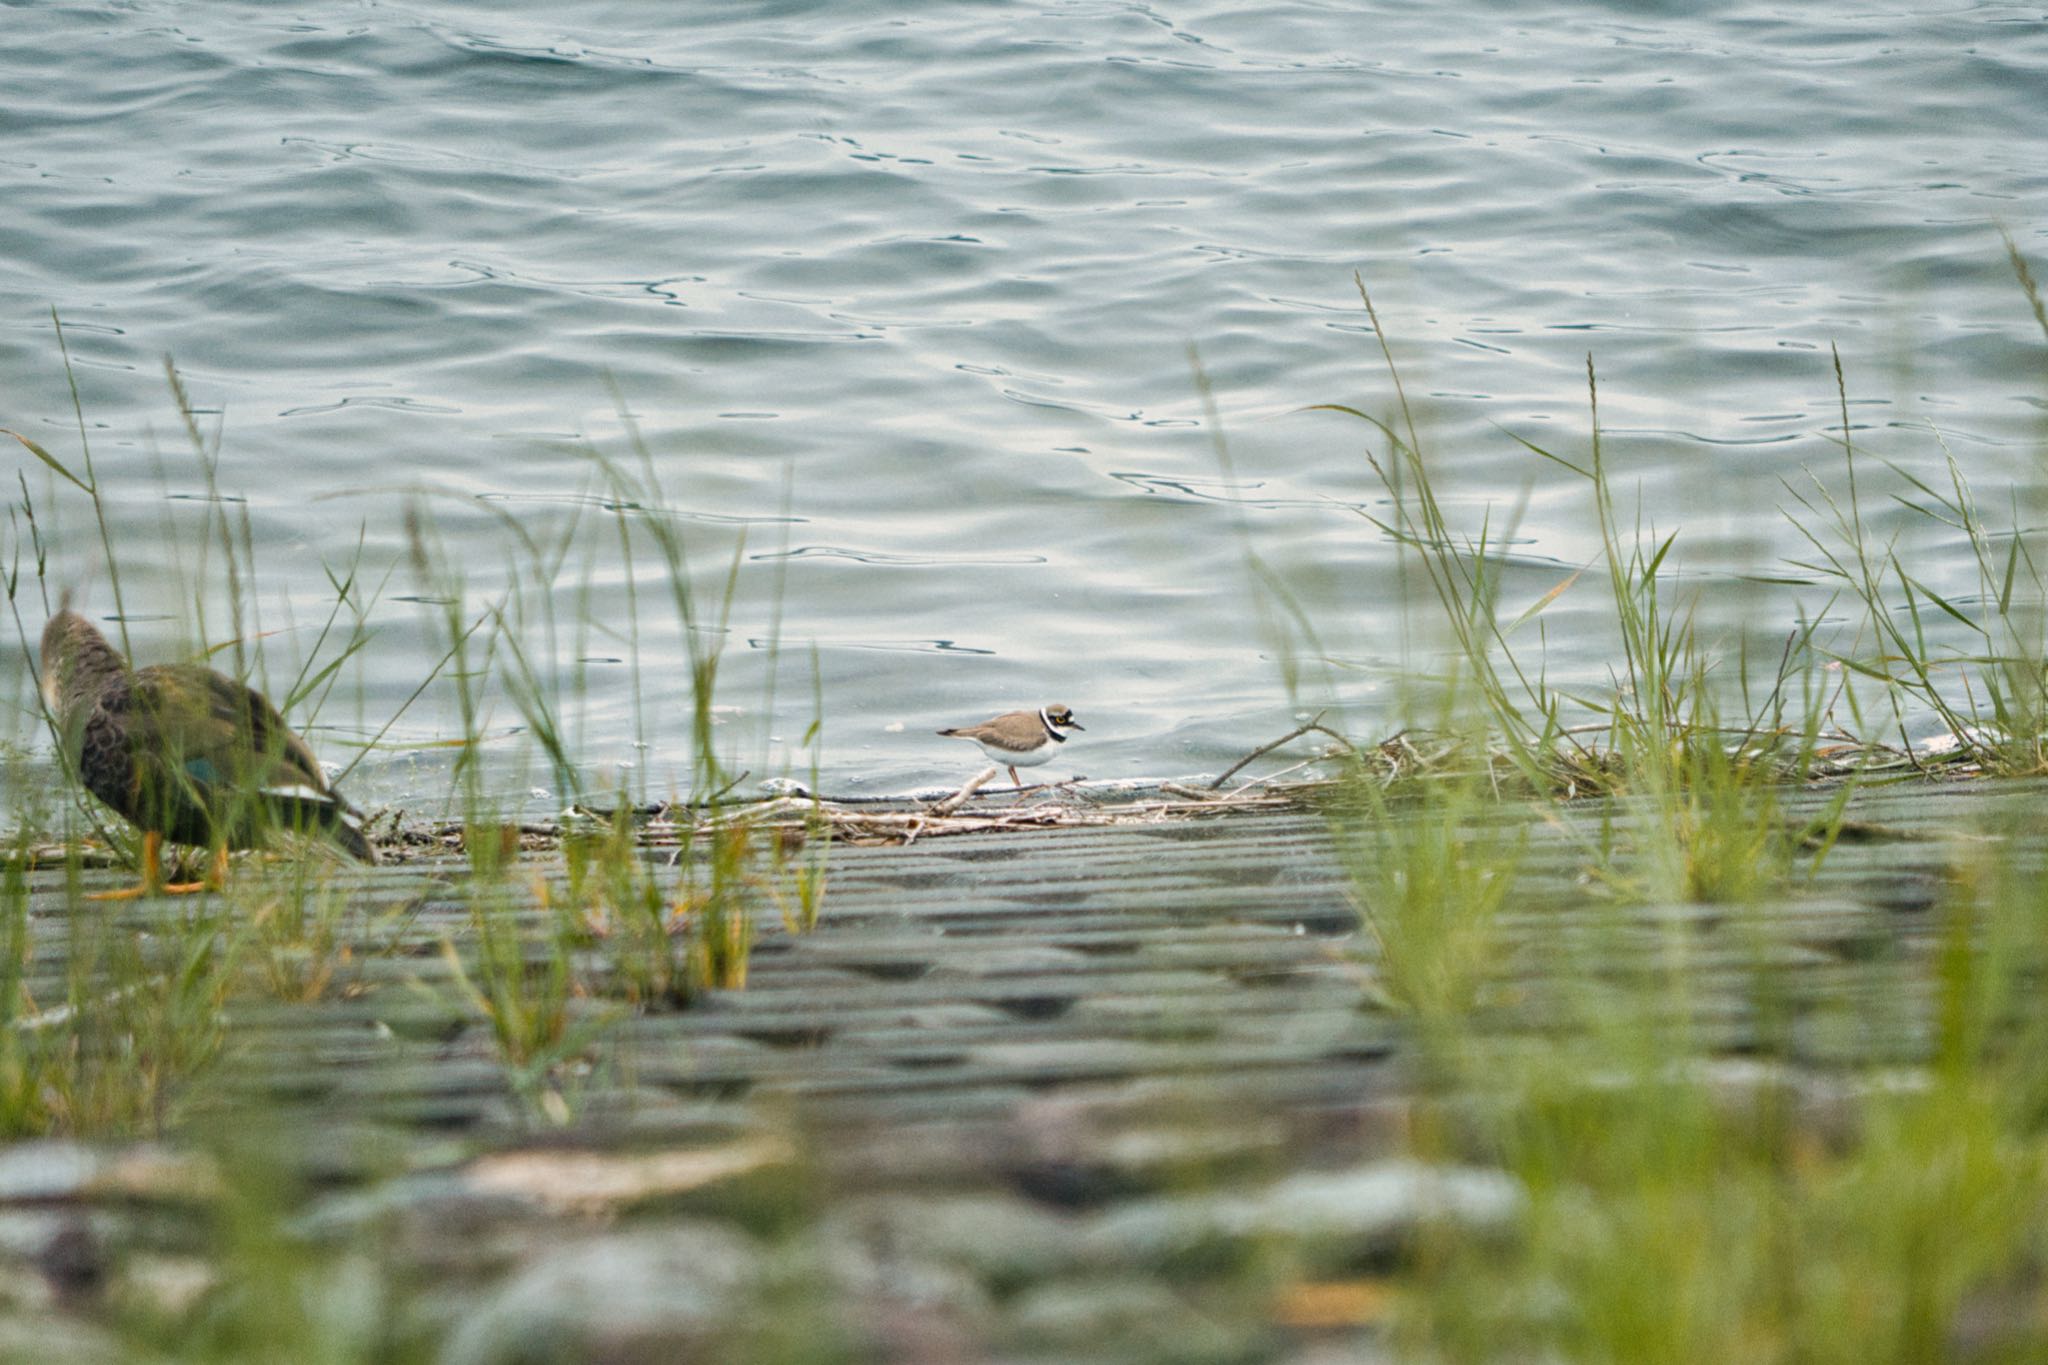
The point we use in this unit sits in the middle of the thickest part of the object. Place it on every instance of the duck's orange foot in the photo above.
(153, 883)
(129, 893)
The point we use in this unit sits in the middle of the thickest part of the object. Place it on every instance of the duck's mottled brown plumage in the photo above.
(182, 751)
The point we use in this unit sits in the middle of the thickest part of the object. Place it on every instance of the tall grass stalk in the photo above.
(1990, 692)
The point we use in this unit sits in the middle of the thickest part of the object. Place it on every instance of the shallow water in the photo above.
(901, 301)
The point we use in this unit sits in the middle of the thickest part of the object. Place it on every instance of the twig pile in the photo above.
(790, 820)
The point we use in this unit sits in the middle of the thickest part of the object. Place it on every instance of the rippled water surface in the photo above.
(900, 303)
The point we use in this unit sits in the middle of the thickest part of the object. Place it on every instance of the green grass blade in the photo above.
(47, 458)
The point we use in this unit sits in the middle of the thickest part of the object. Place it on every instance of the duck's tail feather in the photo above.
(322, 813)
(352, 840)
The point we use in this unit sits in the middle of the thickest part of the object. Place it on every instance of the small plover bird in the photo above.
(1021, 739)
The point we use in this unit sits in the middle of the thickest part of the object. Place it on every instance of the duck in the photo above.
(186, 754)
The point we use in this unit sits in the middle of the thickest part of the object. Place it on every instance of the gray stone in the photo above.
(1011, 959)
(47, 1169)
(1365, 1210)
(167, 1287)
(998, 1239)
(28, 1233)
(434, 1222)
(60, 1341)
(1138, 1134)
(867, 1272)
(1078, 1312)
(944, 1018)
(1119, 1319)
(1362, 1349)
(657, 1295)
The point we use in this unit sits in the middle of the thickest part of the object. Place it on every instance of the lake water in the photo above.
(900, 301)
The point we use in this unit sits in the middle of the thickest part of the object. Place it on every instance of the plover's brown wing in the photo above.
(1019, 732)
(1009, 723)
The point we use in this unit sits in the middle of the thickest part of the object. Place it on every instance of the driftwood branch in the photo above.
(959, 798)
(1314, 726)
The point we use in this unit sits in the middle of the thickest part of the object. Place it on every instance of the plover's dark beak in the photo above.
(1074, 725)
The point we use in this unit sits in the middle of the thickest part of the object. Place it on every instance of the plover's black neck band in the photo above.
(1051, 732)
